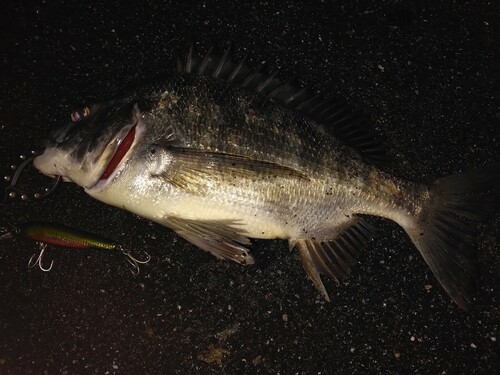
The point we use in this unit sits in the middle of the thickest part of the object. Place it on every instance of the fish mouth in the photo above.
(119, 153)
(118, 158)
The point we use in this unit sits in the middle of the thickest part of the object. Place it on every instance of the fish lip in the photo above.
(103, 182)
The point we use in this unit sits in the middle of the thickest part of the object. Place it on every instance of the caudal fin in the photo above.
(443, 237)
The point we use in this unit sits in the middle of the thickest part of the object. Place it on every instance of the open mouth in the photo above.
(120, 152)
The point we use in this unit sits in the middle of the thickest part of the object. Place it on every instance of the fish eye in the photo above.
(80, 114)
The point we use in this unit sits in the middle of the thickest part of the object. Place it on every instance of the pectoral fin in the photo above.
(334, 257)
(221, 238)
(191, 168)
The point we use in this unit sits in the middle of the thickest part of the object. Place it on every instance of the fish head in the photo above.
(92, 146)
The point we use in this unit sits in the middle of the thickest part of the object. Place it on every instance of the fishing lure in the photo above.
(63, 236)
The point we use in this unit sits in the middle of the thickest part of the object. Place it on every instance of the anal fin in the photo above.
(333, 257)
(310, 265)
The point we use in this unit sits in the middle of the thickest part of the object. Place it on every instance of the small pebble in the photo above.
(6, 178)
(24, 197)
(12, 194)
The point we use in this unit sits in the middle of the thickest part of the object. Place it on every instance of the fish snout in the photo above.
(45, 163)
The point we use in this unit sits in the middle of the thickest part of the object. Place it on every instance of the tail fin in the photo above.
(445, 241)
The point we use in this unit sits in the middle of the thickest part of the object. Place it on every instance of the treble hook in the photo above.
(38, 261)
(134, 262)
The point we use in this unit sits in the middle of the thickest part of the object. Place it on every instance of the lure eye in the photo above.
(80, 114)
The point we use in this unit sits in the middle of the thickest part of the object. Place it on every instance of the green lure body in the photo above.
(63, 236)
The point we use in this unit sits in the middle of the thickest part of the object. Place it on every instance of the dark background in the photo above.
(425, 73)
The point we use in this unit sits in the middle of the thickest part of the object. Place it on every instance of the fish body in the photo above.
(300, 188)
(220, 154)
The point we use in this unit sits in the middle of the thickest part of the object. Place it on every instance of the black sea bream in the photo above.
(220, 154)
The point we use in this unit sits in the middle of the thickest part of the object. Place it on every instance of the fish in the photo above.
(222, 153)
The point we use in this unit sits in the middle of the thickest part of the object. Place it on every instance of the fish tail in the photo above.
(443, 231)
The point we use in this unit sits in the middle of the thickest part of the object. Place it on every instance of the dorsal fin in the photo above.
(332, 114)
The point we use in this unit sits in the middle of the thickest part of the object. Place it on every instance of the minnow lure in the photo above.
(63, 236)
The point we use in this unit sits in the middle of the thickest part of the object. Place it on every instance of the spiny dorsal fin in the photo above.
(332, 114)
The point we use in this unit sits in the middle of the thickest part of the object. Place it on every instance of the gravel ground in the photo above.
(424, 72)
